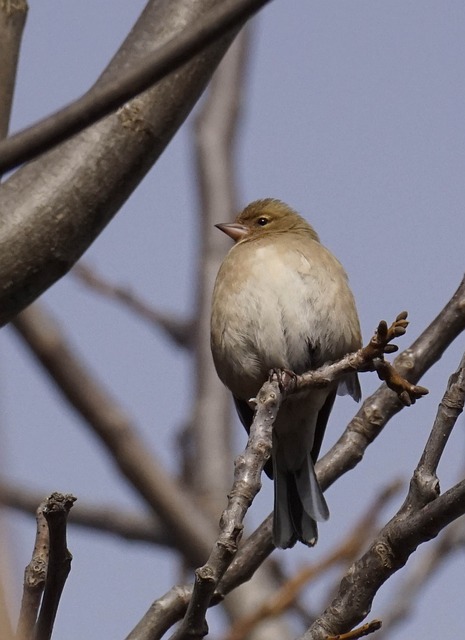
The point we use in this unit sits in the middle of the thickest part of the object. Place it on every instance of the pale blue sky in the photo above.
(354, 117)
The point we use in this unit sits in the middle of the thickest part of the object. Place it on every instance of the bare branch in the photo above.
(54, 207)
(361, 632)
(34, 577)
(103, 99)
(12, 20)
(248, 468)
(55, 511)
(191, 532)
(180, 332)
(163, 613)
(450, 408)
(367, 358)
(382, 405)
(102, 518)
(450, 541)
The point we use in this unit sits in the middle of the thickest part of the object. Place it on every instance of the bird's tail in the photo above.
(298, 505)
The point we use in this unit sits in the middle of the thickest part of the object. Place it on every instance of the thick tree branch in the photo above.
(451, 540)
(53, 208)
(105, 98)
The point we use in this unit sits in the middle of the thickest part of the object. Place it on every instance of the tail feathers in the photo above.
(310, 494)
(299, 504)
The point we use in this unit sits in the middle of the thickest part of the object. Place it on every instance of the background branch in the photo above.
(178, 331)
(103, 518)
(191, 531)
(12, 20)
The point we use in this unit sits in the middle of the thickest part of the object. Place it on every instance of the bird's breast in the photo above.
(276, 308)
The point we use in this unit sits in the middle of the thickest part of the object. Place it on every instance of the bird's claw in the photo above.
(285, 378)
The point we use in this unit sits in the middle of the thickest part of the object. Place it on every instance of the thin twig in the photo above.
(367, 358)
(361, 632)
(180, 332)
(114, 520)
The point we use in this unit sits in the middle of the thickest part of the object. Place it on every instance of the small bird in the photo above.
(282, 301)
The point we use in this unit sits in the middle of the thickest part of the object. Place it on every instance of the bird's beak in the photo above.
(233, 230)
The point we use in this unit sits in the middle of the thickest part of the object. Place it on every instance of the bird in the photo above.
(281, 301)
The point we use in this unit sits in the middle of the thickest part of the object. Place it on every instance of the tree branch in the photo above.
(55, 511)
(247, 483)
(451, 540)
(101, 518)
(176, 330)
(12, 20)
(34, 577)
(53, 208)
(102, 99)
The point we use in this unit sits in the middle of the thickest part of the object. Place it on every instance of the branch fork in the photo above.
(369, 358)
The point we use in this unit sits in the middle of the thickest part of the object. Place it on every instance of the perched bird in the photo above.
(282, 301)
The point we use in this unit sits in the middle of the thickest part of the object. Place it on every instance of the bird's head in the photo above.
(264, 217)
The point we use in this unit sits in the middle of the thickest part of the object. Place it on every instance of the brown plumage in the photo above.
(282, 300)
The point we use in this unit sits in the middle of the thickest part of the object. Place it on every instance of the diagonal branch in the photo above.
(247, 483)
(53, 208)
(175, 329)
(103, 99)
(12, 21)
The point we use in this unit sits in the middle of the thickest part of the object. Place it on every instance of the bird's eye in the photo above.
(262, 221)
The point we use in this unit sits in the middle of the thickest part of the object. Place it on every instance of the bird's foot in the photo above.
(285, 378)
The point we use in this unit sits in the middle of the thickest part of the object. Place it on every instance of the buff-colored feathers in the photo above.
(282, 300)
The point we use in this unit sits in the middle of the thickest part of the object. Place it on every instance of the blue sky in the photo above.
(354, 116)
